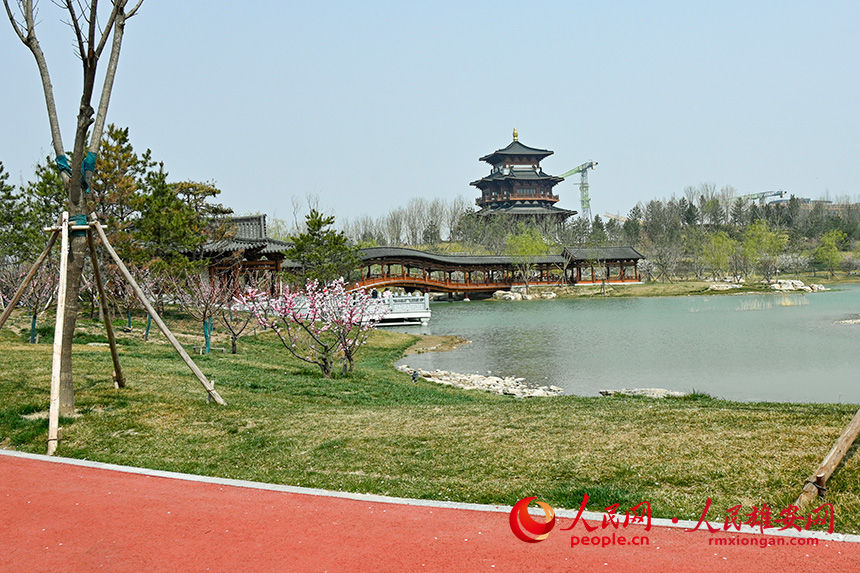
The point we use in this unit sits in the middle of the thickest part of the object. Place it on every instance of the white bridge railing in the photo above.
(406, 309)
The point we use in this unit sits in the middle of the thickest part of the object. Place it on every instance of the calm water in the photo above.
(745, 347)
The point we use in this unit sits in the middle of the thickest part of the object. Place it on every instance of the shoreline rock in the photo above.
(507, 386)
(511, 295)
(647, 392)
(796, 285)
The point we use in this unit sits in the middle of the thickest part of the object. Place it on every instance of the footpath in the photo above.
(60, 514)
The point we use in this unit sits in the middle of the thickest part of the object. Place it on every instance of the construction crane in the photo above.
(584, 199)
(762, 196)
(614, 216)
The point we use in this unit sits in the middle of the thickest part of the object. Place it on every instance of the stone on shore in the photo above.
(723, 286)
(647, 392)
(508, 385)
(793, 285)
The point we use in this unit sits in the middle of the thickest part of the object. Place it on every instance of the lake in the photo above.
(786, 348)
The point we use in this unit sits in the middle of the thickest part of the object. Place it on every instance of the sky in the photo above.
(368, 104)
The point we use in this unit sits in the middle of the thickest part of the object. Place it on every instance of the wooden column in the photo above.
(54, 407)
(118, 378)
(815, 485)
(208, 386)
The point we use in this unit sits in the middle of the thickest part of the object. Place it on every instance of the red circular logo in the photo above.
(528, 528)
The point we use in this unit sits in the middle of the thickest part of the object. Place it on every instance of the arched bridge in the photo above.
(411, 269)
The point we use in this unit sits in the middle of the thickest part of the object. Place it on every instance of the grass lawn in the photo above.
(377, 432)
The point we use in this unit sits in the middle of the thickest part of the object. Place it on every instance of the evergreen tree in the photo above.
(597, 237)
(17, 240)
(167, 228)
(633, 226)
(323, 253)
(739, 212)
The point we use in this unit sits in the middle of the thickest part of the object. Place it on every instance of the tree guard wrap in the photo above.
(88, 166)
(78, 220)
(63, 164)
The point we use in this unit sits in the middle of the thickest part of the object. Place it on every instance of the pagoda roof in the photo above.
(524, 208)
(249, 237)
(516, 175)
(515, 148)
(266, 246)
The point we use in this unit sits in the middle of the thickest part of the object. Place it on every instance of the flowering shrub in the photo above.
(203, 297)
(39, 294)
(319, 323)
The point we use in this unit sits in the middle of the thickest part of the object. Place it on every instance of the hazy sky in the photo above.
(368, 104)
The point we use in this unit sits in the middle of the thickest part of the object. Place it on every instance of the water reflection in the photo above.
(741, 347)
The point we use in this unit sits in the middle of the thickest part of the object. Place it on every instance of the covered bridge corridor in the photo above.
(388, 267)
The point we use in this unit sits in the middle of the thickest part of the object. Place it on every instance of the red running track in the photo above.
(59, 515)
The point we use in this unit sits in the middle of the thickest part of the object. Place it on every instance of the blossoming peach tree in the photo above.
(318, 323)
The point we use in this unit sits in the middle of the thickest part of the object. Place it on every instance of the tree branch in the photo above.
(15, 24)
(119, 18)
(78, 36)
(106, 31)
(32, 43)
(133, 11)
(91, 31)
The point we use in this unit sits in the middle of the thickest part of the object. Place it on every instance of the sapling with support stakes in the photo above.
(93, 31)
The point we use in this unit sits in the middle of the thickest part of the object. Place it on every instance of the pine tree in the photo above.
(323, 253)
(167, 228)
(16, 236)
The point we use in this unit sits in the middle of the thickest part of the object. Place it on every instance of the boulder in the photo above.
(647, 392)
(723, 286)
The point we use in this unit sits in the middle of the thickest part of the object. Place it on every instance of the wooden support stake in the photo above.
(166, 331)
(54, 409)
(815, 485)
(17, 296)
(118, 378)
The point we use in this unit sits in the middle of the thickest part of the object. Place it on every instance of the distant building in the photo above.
(517, 185)
(247, 250)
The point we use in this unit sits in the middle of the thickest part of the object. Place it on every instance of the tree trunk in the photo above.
(89, 51)
(207, 334)
(233, 348)
(77, 254)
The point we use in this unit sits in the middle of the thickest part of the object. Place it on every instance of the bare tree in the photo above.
(91, 38)
(203, 297)
(39, 294)
(393, 225)
(415, 219)
(455, 210)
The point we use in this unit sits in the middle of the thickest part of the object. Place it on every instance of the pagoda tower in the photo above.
(518, 186)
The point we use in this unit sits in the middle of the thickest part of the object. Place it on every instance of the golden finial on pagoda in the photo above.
(516, 135)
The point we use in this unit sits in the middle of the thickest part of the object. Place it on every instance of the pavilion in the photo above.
(518, 186)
